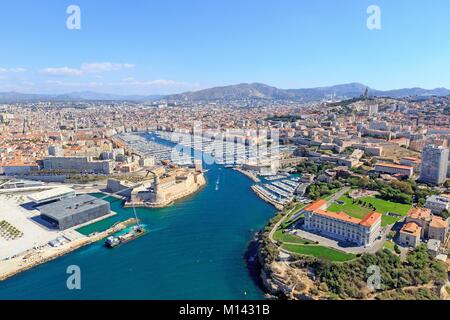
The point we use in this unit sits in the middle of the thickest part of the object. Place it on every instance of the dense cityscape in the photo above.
(224, 159)
(353, 180)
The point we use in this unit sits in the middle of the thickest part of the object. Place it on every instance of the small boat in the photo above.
(134, 233)
(112, 242)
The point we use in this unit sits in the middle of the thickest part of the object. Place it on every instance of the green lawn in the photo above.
(296, 209)
(349, 208)
(389, 245)
(319, 252)
(382, 206)
(289, 238)
(290, 214)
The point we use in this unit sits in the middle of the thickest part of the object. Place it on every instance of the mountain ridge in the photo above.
(262, 91)
(259, 91)
(13, 96)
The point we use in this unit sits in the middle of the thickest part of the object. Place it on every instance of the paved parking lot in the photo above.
(331, 243)
(21, 218)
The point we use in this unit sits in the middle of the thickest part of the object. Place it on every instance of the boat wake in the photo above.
(217, 184)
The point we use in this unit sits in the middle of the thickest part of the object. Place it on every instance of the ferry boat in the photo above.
(134, 233)
(112, 242)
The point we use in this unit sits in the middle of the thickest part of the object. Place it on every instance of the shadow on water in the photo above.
(254, 267)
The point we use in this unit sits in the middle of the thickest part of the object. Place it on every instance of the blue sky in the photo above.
(166, 46)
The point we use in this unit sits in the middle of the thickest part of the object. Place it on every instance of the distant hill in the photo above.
(73, 96)
(262, 91)
(16, 96)
(235, 92)
(351, 90)
(411, 92)
(243, 91)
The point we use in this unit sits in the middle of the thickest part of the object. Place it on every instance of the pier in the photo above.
(249, 175)
(33, 258)
(267, 197)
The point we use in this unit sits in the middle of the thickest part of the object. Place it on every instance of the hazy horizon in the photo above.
(150, 48)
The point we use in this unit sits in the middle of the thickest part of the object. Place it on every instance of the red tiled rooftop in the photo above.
(315, 205)
(318, 208)
(412, 228)
(17, 164)
(370, 219)
(338, 215)
(393, 165)
(438, 223)
(420, 213)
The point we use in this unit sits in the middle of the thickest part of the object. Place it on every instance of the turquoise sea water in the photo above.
(195, 250)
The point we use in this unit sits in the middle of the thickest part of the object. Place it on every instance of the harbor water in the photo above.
(194, 250)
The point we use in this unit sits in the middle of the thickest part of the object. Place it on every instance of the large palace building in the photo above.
(341, 226)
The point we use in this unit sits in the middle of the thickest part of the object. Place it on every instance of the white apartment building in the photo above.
(437, 204)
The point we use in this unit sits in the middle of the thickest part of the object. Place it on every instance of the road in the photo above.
(277, 225)
(337, 195)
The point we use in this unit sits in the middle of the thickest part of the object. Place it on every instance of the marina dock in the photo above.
(266, 196)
